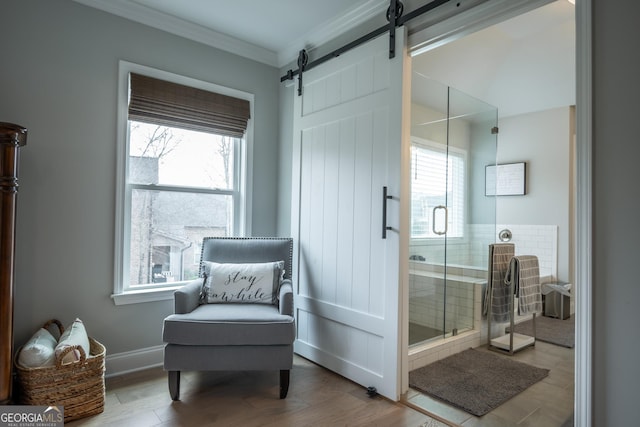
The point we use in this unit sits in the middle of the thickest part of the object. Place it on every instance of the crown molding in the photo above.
(162, 21)
(137, 12)
(332, 29)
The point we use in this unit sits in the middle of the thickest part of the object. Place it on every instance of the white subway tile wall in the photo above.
(465, 285)
(539, 240)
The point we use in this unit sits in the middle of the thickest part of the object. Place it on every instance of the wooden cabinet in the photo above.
(12, 137)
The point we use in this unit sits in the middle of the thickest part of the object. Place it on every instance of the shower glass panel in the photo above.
(452, 221)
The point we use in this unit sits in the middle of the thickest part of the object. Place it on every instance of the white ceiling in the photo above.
(269, 24)
(521, 65)
(524, 64)
(269, 31)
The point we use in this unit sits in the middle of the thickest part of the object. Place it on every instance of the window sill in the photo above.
(147, 295)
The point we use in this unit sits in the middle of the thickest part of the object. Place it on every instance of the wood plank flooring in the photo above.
(317, 397)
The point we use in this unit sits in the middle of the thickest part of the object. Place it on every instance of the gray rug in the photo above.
(548, 329)
(475, 381)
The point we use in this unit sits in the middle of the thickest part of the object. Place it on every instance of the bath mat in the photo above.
(475, 381)
(551, 330)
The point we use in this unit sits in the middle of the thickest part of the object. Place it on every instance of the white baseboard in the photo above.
(132, 361)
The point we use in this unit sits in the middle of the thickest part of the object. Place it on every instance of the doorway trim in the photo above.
(582, 216)
(487, 14)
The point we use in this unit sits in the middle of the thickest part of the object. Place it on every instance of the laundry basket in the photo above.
(77, 386)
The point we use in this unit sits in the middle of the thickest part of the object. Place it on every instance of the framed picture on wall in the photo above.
(507, 179)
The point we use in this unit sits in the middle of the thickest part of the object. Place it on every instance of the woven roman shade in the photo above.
(175, 105)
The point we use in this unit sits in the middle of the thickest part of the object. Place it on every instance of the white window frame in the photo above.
(244, 164)
(459, 152)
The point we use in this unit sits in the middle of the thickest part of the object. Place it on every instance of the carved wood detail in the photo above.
(12, 137)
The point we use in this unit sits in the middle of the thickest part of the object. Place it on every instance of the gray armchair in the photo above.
(232, 336)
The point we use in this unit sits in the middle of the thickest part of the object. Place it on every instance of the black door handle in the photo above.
(385, 197)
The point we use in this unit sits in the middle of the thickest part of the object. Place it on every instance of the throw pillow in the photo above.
(39, 351)
(246, 283)
(74, 335)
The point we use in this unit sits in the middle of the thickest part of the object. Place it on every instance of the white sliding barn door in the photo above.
(348, 145)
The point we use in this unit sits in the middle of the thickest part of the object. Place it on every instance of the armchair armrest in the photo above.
(187, 298)
(286, 297)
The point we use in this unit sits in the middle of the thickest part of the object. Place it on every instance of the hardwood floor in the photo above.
(317, 397)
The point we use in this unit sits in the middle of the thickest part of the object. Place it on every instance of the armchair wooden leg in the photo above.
(174, 385)
(284, 383)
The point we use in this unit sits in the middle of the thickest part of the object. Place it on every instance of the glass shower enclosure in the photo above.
(453, 140)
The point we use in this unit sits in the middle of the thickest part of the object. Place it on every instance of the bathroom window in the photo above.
(437, 180)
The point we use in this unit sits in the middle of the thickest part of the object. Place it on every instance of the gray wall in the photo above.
(287, 93)
(616, 213)
(482, 209)
(542, 140)
(58, 78)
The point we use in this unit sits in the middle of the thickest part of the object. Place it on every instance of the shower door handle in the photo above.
(446, 220)
(385, 197)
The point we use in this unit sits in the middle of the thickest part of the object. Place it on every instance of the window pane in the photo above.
(436, 180)
(172, 156)
(167, 229)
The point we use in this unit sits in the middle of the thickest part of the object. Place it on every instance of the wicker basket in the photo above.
(78, 386)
